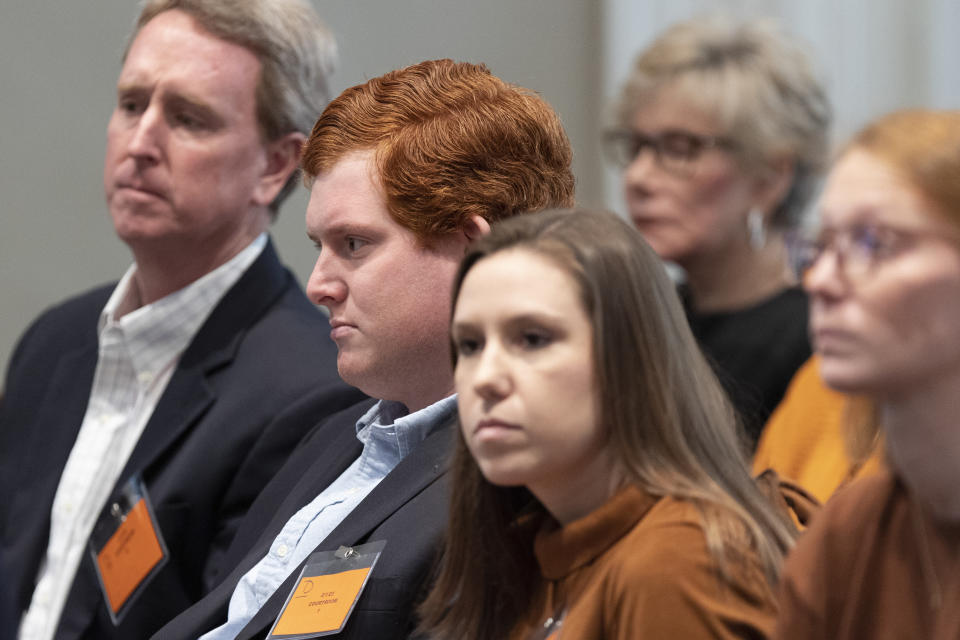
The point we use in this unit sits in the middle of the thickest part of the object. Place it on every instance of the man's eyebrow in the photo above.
(127, 88)
(348, 228)
(199, 107)
(172, 98)
(340, 229)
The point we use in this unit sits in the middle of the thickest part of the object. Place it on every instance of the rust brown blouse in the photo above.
(872, 565)
(638, 567)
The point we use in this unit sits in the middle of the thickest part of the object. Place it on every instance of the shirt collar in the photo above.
(562, 550)
(389, 420)
(167, 325)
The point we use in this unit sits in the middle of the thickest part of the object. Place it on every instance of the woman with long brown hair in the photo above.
(598, 485)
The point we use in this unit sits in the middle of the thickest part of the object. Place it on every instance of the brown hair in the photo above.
(450, 141)
(671, 429)
(757, 82)
(296, 53)
(923, 146)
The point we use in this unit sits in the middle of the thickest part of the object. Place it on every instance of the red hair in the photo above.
(450, 141)
(924, 146)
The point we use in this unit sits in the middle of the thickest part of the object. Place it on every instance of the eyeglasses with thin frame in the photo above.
(859, 248)
(675, 150)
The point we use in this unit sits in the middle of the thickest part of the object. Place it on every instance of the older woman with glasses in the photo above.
(883, 558)
(722, 130)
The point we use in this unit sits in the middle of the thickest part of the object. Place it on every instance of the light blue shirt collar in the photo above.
(388, 434)
(387, 424)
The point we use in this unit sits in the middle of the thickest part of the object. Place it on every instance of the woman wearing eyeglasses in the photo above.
(722, 131)
(882, 560)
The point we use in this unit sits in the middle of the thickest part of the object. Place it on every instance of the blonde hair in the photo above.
(758, 84)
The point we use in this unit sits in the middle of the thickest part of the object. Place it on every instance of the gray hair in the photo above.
(757, 82)
(297, 53)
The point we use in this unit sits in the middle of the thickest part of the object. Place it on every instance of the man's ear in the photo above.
(282, 159)
(476, 227)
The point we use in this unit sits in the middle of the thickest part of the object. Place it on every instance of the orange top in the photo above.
(875, 565)
(803, 440)
(638, 567)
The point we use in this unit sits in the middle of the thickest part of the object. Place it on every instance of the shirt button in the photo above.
(145, 377)
(282, 551)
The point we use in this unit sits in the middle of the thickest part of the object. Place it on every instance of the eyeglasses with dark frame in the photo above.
(860, 247)
(675, 150)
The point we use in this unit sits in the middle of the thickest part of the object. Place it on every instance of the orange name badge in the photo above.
(321, 603)
(126, 548)
(326, 592)
(129, 556)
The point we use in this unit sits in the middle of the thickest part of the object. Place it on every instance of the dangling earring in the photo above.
(756, 231)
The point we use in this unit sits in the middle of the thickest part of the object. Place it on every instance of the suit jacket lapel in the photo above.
(329, 449)
(421, 467)
(189, 392)
(417, 471)
(316, 471)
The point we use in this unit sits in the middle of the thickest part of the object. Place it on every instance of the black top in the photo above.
(755, 351)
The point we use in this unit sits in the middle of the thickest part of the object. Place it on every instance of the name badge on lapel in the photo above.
(326, 592)
(127, 547)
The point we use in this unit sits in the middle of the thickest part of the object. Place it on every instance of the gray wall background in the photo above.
(59, 61)
(58, 67)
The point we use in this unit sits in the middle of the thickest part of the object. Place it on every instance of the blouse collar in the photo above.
(561, 550)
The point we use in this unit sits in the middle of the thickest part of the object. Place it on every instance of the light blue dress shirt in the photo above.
(388, 434)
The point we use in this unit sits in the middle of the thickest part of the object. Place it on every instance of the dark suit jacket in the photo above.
(408, 509)
(204, 454)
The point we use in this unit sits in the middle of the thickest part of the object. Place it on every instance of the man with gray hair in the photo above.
(134, 428)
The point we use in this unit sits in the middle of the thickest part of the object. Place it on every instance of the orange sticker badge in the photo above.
(326, 592)
(321, 603)
(126, 547)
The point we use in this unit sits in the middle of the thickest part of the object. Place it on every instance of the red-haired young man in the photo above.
(406, 170)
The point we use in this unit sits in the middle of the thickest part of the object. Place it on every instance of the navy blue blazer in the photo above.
(408, 509)
(204, 455)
